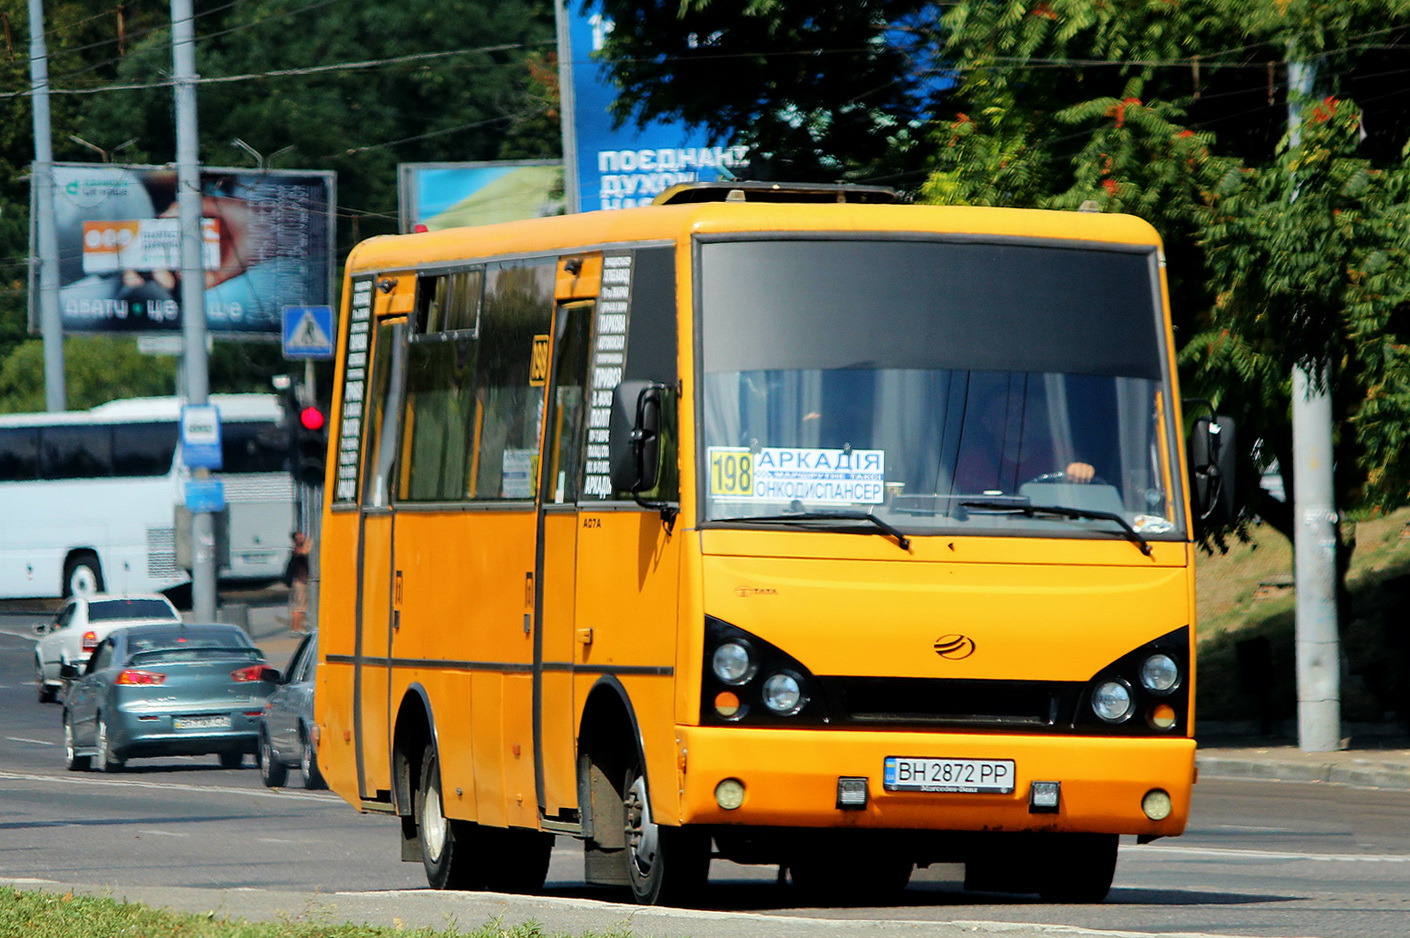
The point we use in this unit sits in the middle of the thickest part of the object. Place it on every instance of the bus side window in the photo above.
(519, 304)
(147, 449)
(76, 452)
(380, 422)
(19, 454)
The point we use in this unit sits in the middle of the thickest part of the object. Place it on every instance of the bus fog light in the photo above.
(729, 794)
(1156, 804)
(1162, 716)
(1112, 701)
(1043, 797)
(782, 694)
(852, 793)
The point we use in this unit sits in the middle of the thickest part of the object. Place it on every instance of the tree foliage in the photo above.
(353, 87)
(818, 91)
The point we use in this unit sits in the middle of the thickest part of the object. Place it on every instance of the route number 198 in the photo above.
(731, 472)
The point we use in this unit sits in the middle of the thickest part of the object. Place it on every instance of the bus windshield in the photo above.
(941, 387)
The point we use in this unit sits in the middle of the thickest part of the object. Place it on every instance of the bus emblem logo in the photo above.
(954, 647)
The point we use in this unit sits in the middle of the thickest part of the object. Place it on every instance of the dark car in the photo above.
(171, 689)
(286, 734)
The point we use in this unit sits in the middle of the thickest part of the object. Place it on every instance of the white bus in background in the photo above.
(88, 499)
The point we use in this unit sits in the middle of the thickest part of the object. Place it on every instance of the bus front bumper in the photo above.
(795, 778)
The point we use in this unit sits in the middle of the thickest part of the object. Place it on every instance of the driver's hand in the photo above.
(1080, 472)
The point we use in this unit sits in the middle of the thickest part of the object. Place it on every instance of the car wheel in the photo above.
(108, 761)
(273, 772)
(72, 760)
(308, 765)
(448, 850)
(665, 865)
(83, 576)
(47, 692)
(231, 760)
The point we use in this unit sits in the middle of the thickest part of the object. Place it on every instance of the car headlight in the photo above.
(732, 663)
(1160, 674)
(783, 694)
(1112, 701)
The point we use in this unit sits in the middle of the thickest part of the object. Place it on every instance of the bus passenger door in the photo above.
(377, 588)
(564, 435)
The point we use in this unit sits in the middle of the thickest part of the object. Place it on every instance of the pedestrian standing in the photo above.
(296, 578)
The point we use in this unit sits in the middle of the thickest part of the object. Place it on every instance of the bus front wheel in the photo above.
(82, 574)
(448, 851)
(665, 865)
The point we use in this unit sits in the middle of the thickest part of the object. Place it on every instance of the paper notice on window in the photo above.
(811, 476)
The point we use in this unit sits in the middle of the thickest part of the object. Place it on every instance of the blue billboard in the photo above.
(622, 167)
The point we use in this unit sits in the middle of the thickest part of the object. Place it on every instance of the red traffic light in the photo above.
(311, 418)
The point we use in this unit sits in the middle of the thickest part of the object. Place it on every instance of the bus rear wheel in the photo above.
(83, 576)
(449, 851)
(665, 865)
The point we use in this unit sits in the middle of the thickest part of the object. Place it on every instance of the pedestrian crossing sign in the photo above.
(308, 332)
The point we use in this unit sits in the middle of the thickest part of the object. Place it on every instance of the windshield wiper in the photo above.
(1018, 506)
(838, 515)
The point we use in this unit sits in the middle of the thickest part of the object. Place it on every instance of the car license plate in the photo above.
(212, 721)
(969, 776)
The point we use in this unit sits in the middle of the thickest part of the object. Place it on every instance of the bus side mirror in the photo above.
(1212, 453)
(635, 435)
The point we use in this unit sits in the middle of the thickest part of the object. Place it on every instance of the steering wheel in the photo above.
(1049, 478)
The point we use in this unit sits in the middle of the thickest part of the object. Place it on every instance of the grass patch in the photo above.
(1247, 606)
(55, 915)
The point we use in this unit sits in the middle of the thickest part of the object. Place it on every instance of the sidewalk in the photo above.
(1373, 757)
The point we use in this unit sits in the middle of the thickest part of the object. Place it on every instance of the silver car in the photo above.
(84, 621)
(287, 735)
(166, 690)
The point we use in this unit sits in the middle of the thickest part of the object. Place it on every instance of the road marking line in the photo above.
(169, 786)
(35, 742)
(1245, 854)
(156, 833)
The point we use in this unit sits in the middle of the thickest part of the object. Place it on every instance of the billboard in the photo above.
(267, 243)
(622, 167)
(447, 195)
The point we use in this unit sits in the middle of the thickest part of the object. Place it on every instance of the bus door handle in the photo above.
(396, 601)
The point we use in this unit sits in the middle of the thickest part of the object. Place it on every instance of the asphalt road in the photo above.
(1261, 858)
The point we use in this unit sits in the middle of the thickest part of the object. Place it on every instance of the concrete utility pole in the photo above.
(567, 108)
(193, 285)
(51, 322)
(1315, 516)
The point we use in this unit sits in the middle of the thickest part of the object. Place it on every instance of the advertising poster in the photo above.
(267, 243)
(622, 167)
(448, 195)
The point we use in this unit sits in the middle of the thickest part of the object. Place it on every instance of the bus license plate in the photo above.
(969, 776)
(213, 721)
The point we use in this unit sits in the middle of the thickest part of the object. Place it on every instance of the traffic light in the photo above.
(311, 451)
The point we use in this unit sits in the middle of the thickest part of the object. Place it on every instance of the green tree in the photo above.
(820, 92)
(1156, 108)
(356, 88)
(98, 369)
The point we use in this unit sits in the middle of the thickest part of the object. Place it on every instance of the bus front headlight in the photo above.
(1112, 701)
(1160, 674)
(732, 663)
(783, 694)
